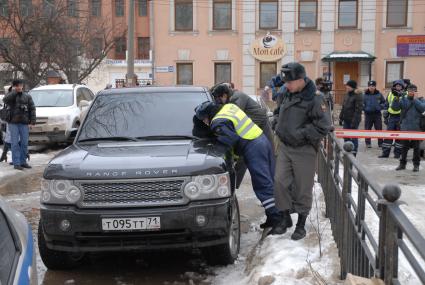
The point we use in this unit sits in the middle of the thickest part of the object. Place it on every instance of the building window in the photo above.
(143, 48)
(393, 71)
(96, 8)
(143, 7)
(267, 71)
(222, 15)
(4, 8)
(397, 13)
(119, 8)
(25, 7)
(269, 11)
(222, 72)
(96, 47)
(72, 8)
(183, 11)
(185, 73)
(48, 7)
(347, 14)
(307, 14)
(120, 48)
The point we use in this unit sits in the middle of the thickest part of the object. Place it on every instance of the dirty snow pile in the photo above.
(280, 260)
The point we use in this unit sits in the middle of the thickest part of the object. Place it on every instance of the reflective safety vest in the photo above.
(244, 126)
(390, 103)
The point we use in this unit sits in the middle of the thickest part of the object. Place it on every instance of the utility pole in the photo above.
(130, 45)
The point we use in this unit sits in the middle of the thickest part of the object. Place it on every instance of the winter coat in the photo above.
(303, 118)
(22, 106)
(253, 110)
(411, 112)
(373, 103)
(396, 103)
(352, 108)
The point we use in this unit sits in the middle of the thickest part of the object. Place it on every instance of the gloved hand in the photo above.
(274, 123)
(385, 114)
(386, 121)
(340, 122)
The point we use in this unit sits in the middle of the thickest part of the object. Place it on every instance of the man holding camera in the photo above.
(392, 118)
(23, 115)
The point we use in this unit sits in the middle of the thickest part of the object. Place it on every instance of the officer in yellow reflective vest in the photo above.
(392, 118)
(235, 130)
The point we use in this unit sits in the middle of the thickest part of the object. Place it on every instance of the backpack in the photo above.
(5, 113)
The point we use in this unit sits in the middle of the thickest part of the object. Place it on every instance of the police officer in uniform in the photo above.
(235, 130)
(302, 123)
(392, 118)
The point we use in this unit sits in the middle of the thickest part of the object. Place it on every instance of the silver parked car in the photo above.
(17, 255)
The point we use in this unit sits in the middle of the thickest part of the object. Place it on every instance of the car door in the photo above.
(10, 251)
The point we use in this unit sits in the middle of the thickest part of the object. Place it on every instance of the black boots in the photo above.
(4, 154)
(300, 231)
(415, 168)
(401, 166)
(281, 226)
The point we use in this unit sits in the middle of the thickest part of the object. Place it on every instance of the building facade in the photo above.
(203, 42)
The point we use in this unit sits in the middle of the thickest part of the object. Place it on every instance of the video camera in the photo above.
(326, 86)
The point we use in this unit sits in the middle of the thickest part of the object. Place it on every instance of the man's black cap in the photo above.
(206, 109)
(17, 82)
(371, 83)
(412, 87)
(292, 71)
(221, 89)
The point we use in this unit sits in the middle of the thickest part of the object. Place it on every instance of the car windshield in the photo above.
(52, 98)
(143, 116)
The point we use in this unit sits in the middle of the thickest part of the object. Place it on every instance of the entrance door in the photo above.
(344, 71)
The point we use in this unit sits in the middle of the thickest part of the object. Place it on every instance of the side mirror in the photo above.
(73, 134)
(83, 104)
(270, 114)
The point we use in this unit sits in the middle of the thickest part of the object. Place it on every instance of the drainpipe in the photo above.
(152, 40)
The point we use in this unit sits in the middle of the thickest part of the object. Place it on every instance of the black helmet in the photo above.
(207, 109)
(292, 71)
(221, 89)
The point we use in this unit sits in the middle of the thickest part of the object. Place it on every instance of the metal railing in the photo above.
(367, 223)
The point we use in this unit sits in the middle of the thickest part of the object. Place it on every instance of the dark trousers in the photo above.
(355, 141)
(259, 159)
(393, 125)
(373, 120)
(416, 152)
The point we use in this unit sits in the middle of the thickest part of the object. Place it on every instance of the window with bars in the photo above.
(25, 7)
(48, 7)
(4, 8)
(347, 14)
(119, 8)
(143, 47)
(183, 15)
(96, 8)
(143, 8)
(267, 71)
(394, 70)
(72, 8)
(222, 14)
(96, 47)
(185, 73)
(120, 47)
(307, 14)
(397, 13)
(269, 14)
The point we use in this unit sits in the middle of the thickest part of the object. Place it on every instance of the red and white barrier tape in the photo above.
(398, 135)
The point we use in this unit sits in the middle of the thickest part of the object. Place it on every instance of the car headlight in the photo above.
(206, 187)
(59, 119)
(59, 192)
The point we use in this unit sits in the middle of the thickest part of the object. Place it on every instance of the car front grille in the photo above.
(140, 193)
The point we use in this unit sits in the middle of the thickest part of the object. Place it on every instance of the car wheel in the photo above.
(224, 254)
(57, 260)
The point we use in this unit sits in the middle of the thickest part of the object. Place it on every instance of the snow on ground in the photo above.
(284, 261)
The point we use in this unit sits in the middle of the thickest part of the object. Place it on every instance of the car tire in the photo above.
(225, 254)
(57, 260)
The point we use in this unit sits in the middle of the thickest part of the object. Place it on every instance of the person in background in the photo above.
(23, 115)
(412, 107)
(7, 143)
(392, 118)
(374, 102)
(351, 113)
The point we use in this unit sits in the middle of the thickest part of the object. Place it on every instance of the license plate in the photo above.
(131, 224)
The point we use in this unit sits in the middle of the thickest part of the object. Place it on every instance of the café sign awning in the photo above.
(348, 56)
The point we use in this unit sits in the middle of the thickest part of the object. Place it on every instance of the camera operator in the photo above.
(324, 87)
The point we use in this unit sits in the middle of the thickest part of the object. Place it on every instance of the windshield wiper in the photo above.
(109, 139)
(168, 137)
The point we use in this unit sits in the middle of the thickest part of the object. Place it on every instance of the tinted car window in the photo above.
(7, 251)
(138, 115)
(52, 98)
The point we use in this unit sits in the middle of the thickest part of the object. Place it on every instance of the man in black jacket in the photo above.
(303, 122)
(351, 113)
(23, 115)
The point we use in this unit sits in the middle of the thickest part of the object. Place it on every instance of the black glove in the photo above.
(340, 122)
(386, 121)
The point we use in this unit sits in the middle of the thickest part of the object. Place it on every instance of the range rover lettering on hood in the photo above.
(141, 173)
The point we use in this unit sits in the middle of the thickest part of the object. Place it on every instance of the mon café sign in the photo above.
(268, 48)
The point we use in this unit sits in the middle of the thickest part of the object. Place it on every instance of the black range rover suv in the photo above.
(136, 179)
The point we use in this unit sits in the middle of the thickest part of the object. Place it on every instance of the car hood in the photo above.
(52, 111)
(135, 160)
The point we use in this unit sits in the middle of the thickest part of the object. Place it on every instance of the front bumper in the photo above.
(179, 228)
(49, 133)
